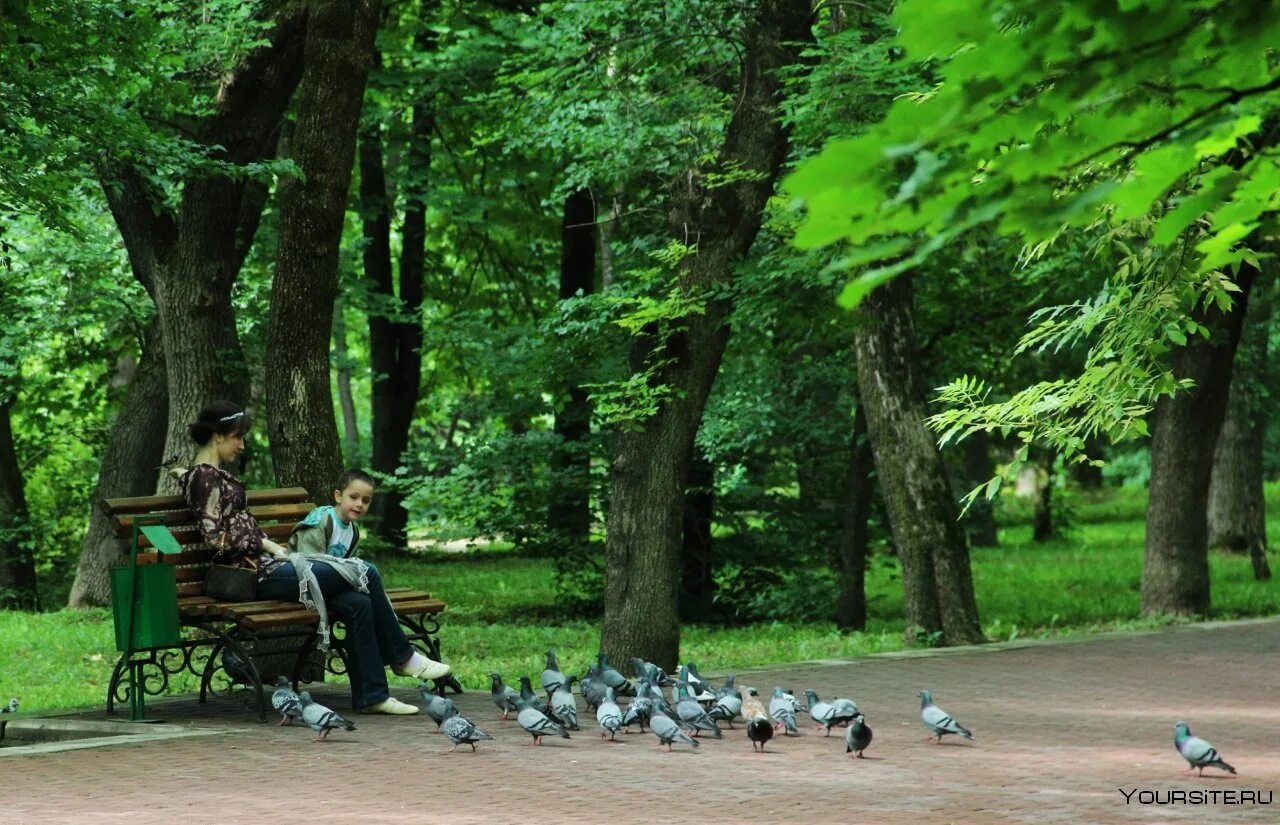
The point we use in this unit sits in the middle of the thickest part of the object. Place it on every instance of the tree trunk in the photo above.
(936, 580)
(191, 256)
(127, 468)
(17, 563)
(980, 518)
(851, 606)
(1237, 511)
(395, 346)
(350, 427)
(650, 465)
(697, 582)
(303, 432)
(569, 505)
(1175, 573)
(1042, 526)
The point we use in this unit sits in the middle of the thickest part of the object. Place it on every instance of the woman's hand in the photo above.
(275, 550)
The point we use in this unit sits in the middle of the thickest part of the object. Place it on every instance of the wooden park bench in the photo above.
(227, 640)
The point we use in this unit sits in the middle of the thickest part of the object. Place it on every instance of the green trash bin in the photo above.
(155, 618)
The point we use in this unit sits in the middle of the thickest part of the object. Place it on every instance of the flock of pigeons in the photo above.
(695, 708)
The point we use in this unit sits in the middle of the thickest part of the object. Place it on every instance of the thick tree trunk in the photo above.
(569, 505)
(697, 582)
(191, 256)
(127, 468)
(936, 579)
(17, 562)
(851, 606)
(978, 469)
(304, 434)
(1042, 524)
(1175, 573)
(1237, 511)
(650, 465)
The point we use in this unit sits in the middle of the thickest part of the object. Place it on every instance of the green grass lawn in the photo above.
(501, 612)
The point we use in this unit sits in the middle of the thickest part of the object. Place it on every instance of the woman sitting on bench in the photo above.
(217, 500)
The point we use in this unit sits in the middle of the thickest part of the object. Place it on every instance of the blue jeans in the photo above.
(374, 639)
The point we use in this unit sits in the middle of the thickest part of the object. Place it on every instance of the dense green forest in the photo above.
(725, 311)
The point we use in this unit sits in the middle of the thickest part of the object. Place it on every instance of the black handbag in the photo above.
(235, 584)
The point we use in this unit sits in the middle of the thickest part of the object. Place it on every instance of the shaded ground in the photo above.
(1060, 728)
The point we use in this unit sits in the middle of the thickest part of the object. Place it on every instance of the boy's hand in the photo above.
(276, 551)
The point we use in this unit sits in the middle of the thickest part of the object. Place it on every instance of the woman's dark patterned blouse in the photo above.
(217, 501)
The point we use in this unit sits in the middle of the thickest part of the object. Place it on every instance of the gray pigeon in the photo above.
(692, 716)
(640, 708)
(438, 707)
(527, 694)
(782, 709)
(12, 707)
(320, 718)
(564, 706)
(552, 678)
(668, 731)
(592, 688)
(795, 703)
(726, 709)
(1198, 753)
(857, 737)
(536, 723)
(286, 701)
(728, 689)
(609, 715)
(828, 715)
(503, 696)
(759, 731)
(612, 678)
(657, 676)
(938, 720)
(699, 688)
(461, 730)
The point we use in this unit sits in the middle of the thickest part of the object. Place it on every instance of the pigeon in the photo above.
(320, 718)
(691, 714)
(564, 706)
(286, 701)
(857, 737)
(728, 689)
(612, 678)
(726, 708)
(527, 694)
(938, 720)
(827, 715)
(552, 678)
(751, 705)
(1198, 753)
(536, 722)
(759, 731)
(503, 696)
(641, 707)
(668, 731)
(846, 709)
(437, 707)
(699, 687)
(592, 688)
(609, 715)
(782, 710)
(12, 707)
(657, 676)
(460, 729)
(795, 703)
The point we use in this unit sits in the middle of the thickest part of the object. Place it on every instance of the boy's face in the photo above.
(353, 502)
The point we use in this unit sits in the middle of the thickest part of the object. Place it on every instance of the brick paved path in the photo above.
(1060, 728)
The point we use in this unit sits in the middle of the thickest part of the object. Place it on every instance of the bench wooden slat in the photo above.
(276, 532)
(293, 512)
(149, 504)
(422, 606)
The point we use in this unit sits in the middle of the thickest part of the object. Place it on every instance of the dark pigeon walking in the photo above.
(857, 737)
(461, 730)
(503, 696)
(759, 731)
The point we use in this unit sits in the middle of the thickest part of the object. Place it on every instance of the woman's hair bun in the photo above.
(221, 417)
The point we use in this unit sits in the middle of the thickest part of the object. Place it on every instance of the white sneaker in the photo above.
(420, 667)
(393, 706)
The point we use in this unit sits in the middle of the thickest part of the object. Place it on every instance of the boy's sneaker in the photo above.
(393, 706)
(420, 667)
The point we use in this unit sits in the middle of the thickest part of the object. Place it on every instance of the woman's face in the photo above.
(229, 447)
